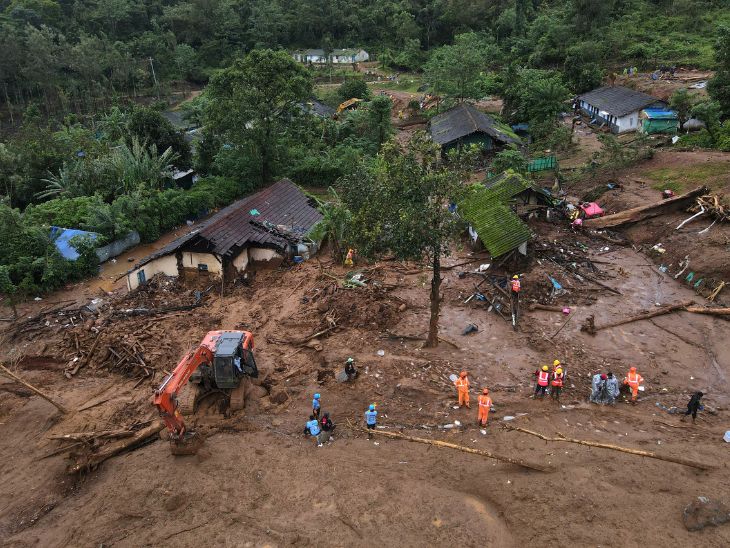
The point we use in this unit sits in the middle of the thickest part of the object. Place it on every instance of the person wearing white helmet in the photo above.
(350, 370)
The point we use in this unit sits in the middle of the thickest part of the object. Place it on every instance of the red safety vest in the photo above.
(542, 379)
(557, 380)
(515, 285)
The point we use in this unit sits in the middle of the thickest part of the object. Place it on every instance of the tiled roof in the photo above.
(252, 220)
(463, 120)
(618, 100)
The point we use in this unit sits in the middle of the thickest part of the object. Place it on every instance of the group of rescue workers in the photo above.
(484, 402)
(605, 388)
(322, 428)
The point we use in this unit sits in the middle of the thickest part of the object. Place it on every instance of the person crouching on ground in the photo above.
(350, 370)
(314, 430)
(327, 425)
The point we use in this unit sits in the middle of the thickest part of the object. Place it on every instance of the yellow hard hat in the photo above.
(545, 368)
(556, 362)
(559, 371)
(515, 277)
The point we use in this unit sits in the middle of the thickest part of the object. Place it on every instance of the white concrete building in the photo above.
(336, 57)
(617, 106)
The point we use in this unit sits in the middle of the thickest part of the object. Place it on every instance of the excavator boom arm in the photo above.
(165, 395)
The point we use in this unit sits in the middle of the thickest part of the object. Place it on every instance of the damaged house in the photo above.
(265, 228)
(465, 125)
(493, 211)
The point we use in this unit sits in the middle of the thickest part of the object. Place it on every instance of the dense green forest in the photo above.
(79, 55)
(83, 87)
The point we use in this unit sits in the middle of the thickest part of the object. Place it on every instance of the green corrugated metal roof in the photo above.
(499, 228)
(505, 186)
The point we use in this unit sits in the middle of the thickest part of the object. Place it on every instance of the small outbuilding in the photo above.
(658, 120)
(617, 106)
(464, 125)
(265, 228)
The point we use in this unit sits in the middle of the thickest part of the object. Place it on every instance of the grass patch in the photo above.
(407, 83)
(679, 179)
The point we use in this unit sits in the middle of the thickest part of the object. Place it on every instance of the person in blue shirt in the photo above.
(312, 428)
(371, 418)
(316, 404)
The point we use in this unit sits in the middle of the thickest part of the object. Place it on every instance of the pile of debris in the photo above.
(360, 299)
(122, 349)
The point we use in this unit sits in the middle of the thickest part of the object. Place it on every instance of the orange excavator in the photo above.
(217, 367)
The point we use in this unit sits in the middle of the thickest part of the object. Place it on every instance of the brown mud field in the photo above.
(258, 481)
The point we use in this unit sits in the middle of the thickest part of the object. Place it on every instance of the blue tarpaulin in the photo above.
(660, 114)
(62, 239)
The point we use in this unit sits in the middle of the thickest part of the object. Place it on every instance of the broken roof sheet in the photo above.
(498, 227)
(245, 222)
(463, 120)
(618, 100)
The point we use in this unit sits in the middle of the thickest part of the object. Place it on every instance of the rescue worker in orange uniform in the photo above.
(633, 379)
(462, 387)
(348, 258)
(556, 383)
(543, 375)
(485, 404)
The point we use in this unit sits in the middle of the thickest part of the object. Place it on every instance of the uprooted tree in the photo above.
(399, 202)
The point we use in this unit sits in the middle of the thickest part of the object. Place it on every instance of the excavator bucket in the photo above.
(189, 444)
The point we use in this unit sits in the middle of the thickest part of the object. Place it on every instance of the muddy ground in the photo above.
(259, 482)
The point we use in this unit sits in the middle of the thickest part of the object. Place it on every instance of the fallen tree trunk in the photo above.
(90, 461)
(591, 328)
(641, 213)
(437, 443)
(32, 388)
(642, 316)
(710, 311)
(638, 452)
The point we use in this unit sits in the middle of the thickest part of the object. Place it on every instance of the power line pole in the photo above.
(154, 77)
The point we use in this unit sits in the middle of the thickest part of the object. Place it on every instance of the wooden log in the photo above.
(86, 462)
(538, 306)
(637, 452)
(32, 388)
(641, 213)
(88, 436)
(642, 316)
(710, 311)
(447, 445)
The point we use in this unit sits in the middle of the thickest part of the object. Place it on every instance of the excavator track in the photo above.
(186, 399)
(237, 397)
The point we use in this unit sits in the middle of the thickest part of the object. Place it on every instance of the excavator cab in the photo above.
(230, 351)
